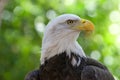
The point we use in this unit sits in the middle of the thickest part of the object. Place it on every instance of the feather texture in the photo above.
(59, 67)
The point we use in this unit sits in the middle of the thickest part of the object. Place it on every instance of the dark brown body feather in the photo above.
(59, 67)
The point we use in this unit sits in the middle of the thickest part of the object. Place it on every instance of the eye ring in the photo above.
(70, 21)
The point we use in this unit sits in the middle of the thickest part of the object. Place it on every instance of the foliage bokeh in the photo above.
(23, 23)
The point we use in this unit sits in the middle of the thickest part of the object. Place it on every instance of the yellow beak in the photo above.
(85, 25)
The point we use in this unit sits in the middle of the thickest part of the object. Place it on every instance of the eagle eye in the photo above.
(70, 21)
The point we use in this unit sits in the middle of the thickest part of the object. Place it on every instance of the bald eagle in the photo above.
(62, 58)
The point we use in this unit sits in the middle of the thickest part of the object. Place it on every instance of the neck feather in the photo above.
(59, 45)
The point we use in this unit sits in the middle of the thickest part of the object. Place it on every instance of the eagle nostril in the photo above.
(84, 21)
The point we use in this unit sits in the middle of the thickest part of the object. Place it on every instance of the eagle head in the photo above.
(61, 34)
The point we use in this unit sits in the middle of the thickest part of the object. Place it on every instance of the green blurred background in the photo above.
(22, 23)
